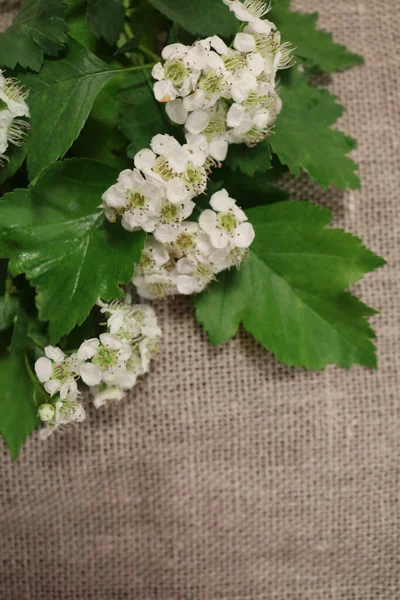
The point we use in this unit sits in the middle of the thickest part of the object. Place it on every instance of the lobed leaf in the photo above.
(298, 271)
(61, 98)
(106, 18)
(38, 29)
(56, 234)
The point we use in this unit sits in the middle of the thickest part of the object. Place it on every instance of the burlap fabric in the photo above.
(227, 476)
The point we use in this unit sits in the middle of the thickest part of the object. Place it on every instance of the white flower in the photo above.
(136, 199)
(252, 11)
(155, 286)
(58, 373)
(65, 412)
(226, 225)
(179, 74)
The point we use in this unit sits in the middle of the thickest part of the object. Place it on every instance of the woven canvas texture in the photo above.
(225, 475)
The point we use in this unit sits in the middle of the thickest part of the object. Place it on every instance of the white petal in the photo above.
(160, 254)
(242, 87)
(176, 111)
(54, 353)
(166, 233)
(164, 144)
(244, 42)
(144, 159)
(157, 71)
(114, 197)
(236, 115)
(262, 26)
(244, 235)
(196, 58)
(219, 45)
(52, 386)
(219, 239)
(221, 202)
(255, 63)
(110, 341)
(88, 349)
(186, 284)
(130, 222)
(194, 101)
(175, 50)
(187, 210)
(115, 322)
(91, 374)
(164, 91)
(186, 266)
(43, 369)
(208, 220)
(197, 121)
(218, 149)
(176, 191)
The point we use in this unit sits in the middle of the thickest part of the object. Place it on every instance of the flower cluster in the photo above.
(13, 113)
(225, 95)
(222, 95)
(109, 365)
(184, 258)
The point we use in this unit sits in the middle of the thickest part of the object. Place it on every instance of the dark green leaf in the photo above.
(304, 139)
(16, 156)
(142, 116)
(8, 309)
(106, 18)
(56, 234)
(208, 17)
(313, 46)
(18, 409)
(100, 138)
(38, 29)
(60, 101)
(298, 271)
(249, 160)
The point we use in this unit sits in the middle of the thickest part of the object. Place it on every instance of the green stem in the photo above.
(134, 68)
(36, 341)
(149, 53)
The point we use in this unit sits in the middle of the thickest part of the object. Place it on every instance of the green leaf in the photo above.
(298, 271)
(38, 30)
(142, 116)
(60, 101)
(56, 234)
(8, 309)
(248, 191)
(208, 17)
(313, 47)
(106, 18)
(16, 156)
(304, 139)
(18, 409)
(102, 126)
(249, 160)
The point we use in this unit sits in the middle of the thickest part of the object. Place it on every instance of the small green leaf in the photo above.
(208, 17)
(142, 116)
(18, 409)
(106, 18)
(249, 160)
(56, 234)
(304, 139)
(298, 271)
(38, 29)
(313, 47)
(60, 101)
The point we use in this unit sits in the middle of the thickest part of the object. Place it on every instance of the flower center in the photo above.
(227, 221)
(235, 61)
(169, 212)
(135, 200)
(254, 99)
(61, 372)
(211, 84)
(204, 271)
(175, 71)
(105, 357)
(162, 168)
(194, 176)
(146, 259)
(184, 241)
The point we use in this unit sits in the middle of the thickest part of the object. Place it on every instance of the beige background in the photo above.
(227, 476)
